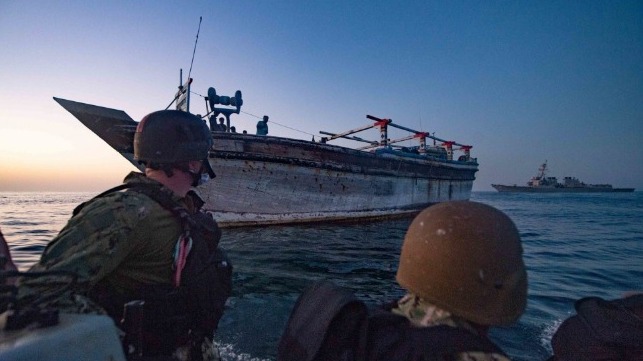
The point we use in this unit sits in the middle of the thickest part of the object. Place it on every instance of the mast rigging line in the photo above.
(191, 63)
(195, 42)
(193, 92)
(281, 125)
(314, 135)
(256, 116)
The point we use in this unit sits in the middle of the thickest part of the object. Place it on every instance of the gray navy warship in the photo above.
(541, 183)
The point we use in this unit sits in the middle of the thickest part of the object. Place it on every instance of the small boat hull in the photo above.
(76, 337)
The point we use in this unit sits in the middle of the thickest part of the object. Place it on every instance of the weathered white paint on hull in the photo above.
(261, 187)
(254, 192)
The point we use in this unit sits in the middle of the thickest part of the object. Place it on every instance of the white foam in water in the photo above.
(548, 333)
(228, 353)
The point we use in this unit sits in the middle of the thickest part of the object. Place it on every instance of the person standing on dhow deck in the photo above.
(262, 126)
(146, 240)
(222, 126)
(461, 265)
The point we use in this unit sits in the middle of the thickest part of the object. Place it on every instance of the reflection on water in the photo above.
(29, 220)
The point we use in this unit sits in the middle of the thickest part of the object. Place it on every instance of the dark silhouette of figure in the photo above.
(262, 126)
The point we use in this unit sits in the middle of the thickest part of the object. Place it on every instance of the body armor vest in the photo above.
(191, 309)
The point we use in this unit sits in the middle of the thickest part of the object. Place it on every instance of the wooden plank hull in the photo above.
(272, 180)
(275, 180)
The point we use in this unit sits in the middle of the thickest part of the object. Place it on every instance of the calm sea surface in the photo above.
(575, 245)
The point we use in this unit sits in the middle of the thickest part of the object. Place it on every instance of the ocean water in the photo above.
(576, 245)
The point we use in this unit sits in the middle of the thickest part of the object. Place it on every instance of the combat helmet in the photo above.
(466, 257)
(171, 136)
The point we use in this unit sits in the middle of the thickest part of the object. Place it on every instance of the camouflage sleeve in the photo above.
(95, 241)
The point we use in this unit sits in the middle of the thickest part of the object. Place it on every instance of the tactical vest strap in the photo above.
(109, 191)
(329, 323)
(151, 190)
(392, 337)
(326, 323)
(156, 193)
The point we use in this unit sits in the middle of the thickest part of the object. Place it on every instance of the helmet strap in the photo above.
(203, 175)
(208, 168)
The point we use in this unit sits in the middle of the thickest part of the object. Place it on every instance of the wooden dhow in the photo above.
(273, 180)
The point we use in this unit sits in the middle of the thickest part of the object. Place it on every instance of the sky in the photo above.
(523, 82)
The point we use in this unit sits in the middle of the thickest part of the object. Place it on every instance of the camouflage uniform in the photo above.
(122, 240)
(424, 314)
